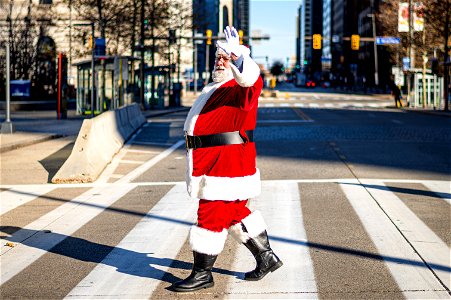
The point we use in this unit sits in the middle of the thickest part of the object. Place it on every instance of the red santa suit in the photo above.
(224, 176)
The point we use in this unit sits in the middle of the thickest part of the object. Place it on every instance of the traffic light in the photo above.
(434, 66)
(172, 38)
(317, 41)
(355, 42)
(209, 34)
(241, 33)
(91, 42)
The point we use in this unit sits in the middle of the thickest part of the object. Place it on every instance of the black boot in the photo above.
(267, 261)
(201, 277)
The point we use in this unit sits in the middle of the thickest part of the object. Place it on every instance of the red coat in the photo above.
(225, 172)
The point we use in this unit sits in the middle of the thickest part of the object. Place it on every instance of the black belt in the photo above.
(218, 139)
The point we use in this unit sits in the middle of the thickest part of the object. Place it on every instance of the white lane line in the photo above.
(150, 143)
(285, 104)
(313, 105)
(441, 188)
(21, 195)
(150, 163)
(281, 209)
(406, 267)
(142, 151)
(431, 247)
(283, 121)
(269, 105)
(65, 220)
(136, 265)
(127, 161)
(32, 241)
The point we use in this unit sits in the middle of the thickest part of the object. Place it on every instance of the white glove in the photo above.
(233, 42)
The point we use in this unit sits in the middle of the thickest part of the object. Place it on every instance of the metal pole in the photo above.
(376, 73)
(141, 48)
(424, 70)
(207, 63)
(93, 71)
(195, 69)
(7, 126)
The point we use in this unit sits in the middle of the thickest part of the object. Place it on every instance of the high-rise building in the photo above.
(309, 22)
(215, 15)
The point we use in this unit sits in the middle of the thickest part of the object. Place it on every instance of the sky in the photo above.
(278, 19)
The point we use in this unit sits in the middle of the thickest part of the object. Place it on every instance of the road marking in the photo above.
(32, 241)
(151, 143)
(397, 121)
(412, 276)
(156, 239)
(150, 163)
(302, 114)
(282, 121)
(269, 105)
(65, 220)
(313, 105)
(142, 151)
(433, 250)
(281, 209)
(20, 195)
(441, 188)
(127, 161)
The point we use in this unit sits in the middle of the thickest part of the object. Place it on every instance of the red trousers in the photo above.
(219, 215)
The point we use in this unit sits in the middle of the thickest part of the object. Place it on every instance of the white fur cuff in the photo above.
(206, 241)
(236, 231)
(255, 224)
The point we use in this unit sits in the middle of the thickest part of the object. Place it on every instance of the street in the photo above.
(356, 197)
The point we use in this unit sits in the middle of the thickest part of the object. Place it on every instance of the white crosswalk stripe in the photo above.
(411, 276)
(286, 225)
(18, 196)
(418, 260)
(155, 239)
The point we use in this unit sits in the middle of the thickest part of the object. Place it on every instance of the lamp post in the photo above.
(8, 126)
(373, 22)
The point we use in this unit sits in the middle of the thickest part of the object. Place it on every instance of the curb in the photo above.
(7, 148)
(429, 112)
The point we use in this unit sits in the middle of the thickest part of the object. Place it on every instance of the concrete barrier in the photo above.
(98, 141)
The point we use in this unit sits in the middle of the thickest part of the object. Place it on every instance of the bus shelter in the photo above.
(160, 98)
(113, 83)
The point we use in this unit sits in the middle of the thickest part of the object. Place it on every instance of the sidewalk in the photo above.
(37, 126)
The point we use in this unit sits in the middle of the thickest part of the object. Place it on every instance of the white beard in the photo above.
(221, 75)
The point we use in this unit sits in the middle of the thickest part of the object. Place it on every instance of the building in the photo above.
(215, 15)
(50, 27)
(309, 22)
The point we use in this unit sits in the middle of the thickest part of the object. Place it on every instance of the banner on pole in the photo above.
(418, 16)
(403, 17)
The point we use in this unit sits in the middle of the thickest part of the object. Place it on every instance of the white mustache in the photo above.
(220, 68)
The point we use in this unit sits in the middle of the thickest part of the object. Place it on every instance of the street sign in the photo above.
(386, 40)
(405, 63)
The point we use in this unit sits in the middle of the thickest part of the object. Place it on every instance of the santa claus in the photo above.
(221, 166)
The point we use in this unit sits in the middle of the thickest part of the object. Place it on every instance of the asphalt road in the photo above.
(356, 200)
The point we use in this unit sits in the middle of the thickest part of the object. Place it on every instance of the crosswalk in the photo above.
(328, 105)
(416, 257)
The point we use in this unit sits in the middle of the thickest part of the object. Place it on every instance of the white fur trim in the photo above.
(250, 71)
(254, 223)
(199, 104)
(236, 231)
(207, 242)
(222, 188)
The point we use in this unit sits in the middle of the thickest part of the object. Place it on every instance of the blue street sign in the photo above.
(385, 40)
(405, 63)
